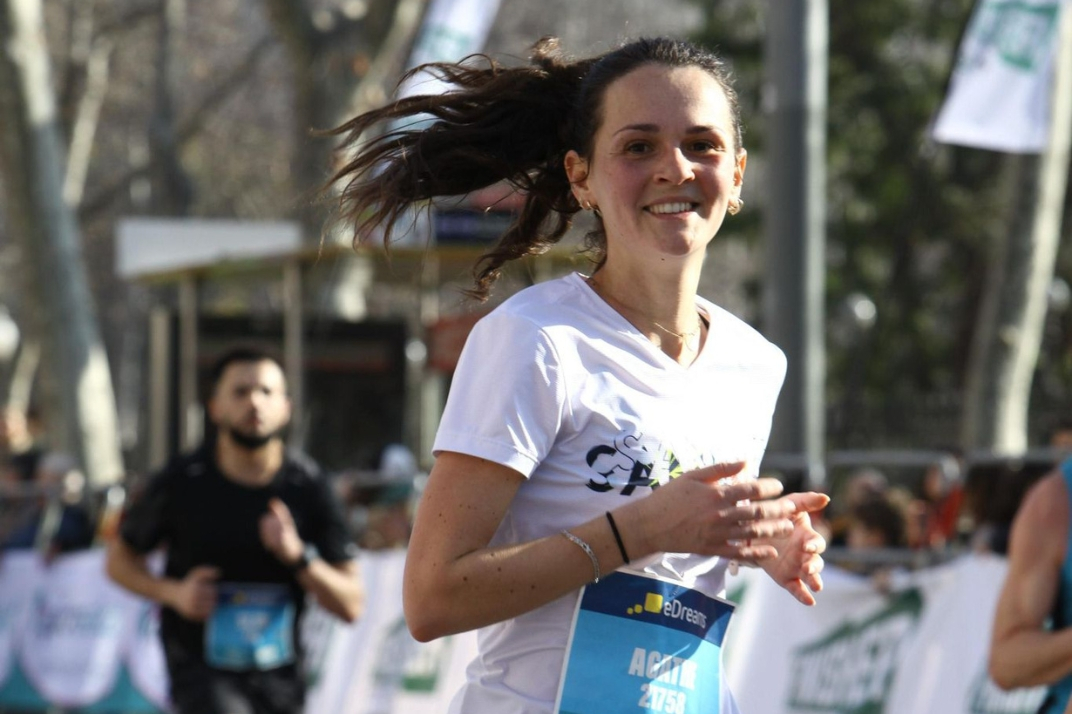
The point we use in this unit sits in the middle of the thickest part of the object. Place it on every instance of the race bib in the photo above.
(252, 627)
(639, 644)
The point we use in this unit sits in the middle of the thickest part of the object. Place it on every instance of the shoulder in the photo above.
(1046, 502)
(543, 304)
(535, 319)
(303, 471)
(1041, 522)
(185, 466)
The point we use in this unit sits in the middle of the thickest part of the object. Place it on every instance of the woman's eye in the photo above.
(637, 147)
(703, 146)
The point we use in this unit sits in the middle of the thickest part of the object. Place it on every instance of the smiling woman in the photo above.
(595, 467)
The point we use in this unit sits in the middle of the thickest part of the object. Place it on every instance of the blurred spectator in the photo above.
(943, 496)
(879, 524)
(56, 519)
(862, 485)
(880, 520)
(993, 491)
(381, 501)
(1061, 437)
(19, 450)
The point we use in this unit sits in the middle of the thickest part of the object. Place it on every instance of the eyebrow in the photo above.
(700, 129)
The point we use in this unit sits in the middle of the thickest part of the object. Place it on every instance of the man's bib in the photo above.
(252, 627)
(639, 644)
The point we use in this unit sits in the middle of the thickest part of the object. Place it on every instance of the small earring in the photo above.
(735, 208)
(586, 206)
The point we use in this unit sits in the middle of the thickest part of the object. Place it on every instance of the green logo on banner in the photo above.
(850, 670)
(410, 666)
(1020, 33)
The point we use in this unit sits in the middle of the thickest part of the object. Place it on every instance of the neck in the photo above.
(668, 308)
(667, 317)
(251, 467)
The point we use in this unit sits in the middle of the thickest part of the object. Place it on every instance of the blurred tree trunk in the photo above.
(342, 64)
(1009, 334)
(171, 189)
(78, 403)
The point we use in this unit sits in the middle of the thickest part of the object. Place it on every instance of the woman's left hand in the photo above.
(799, 563)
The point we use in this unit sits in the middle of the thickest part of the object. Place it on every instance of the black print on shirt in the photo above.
(630, 458)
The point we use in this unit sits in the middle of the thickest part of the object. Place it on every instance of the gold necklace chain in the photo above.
(690, 340)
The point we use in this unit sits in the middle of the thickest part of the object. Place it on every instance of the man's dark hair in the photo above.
(239, 355)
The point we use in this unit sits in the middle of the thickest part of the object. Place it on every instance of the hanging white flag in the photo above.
(999, 96)
(452, 29)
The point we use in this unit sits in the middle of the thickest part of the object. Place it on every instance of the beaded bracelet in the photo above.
(587, 551)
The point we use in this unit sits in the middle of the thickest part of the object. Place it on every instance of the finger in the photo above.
(279, 509)
(719, 471)
(205, 572)
(797, 589)
(755, 552)
(816, 545)
(814, 582)
(810, 501)
(757, 489)
(757, 510)
(762, 529)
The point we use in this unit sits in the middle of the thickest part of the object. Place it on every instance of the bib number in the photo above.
(639, 644)
(252, 627)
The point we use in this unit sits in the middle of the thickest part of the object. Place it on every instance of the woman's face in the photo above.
(664, 167)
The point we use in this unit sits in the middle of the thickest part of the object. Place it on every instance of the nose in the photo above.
(675, 167)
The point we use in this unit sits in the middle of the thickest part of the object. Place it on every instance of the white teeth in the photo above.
(671, 208)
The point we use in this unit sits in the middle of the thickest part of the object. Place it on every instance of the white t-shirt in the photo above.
(557, 385)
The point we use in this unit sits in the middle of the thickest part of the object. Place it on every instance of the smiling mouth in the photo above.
(663, 209)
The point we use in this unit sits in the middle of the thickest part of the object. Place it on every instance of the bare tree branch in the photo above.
(188, 127)
(84, 131)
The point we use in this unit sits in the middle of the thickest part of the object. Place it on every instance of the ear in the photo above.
(577, 173)
(738, 172)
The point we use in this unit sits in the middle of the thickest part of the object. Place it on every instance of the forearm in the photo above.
(337, 588)
(129, 570)
(1031, 658)
(495, 584)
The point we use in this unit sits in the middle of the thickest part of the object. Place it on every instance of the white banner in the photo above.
(452, 29)
(20, 579)
(920, 648)
(72, 645)
(999, 94)
(375, 667)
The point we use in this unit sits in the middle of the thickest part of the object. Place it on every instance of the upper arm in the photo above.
(145, 523)
(462, 506)
(329, 529)
(1037, 548)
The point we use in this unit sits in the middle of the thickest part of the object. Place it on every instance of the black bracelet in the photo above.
(617, 537)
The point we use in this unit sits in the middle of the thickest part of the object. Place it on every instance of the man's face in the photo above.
(250, 402)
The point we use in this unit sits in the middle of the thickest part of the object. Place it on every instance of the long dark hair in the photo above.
(512, 124)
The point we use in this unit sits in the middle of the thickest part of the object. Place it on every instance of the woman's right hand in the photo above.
(708, 512)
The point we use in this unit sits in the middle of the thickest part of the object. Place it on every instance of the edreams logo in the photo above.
(654, 602)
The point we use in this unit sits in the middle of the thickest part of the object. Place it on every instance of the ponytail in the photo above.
(496, 124)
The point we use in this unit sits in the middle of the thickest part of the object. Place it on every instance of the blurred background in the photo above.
(159, 176)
